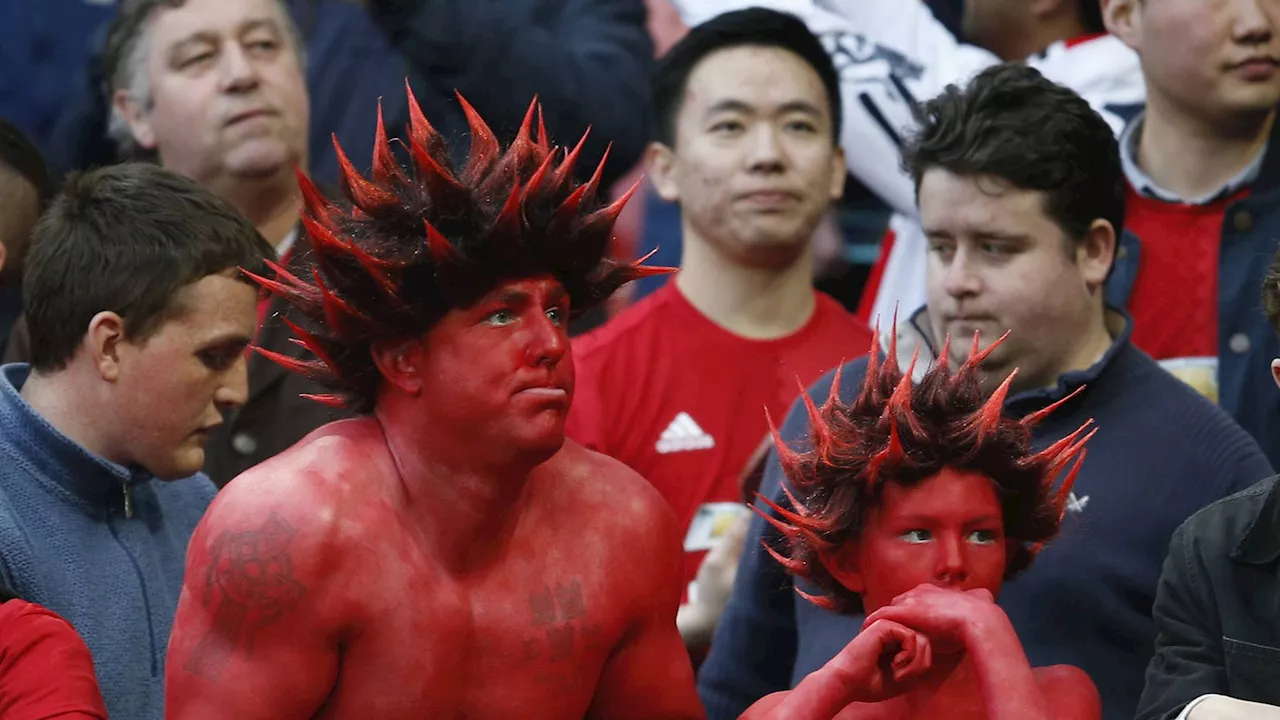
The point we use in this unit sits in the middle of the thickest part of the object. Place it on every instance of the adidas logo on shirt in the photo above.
(684, 434)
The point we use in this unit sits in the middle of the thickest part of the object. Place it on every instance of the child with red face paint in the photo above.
(913, 504)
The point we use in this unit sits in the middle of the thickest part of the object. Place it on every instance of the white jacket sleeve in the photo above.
(890, 55)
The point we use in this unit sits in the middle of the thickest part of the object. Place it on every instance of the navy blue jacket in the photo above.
(1246, 341)
(1161, 453)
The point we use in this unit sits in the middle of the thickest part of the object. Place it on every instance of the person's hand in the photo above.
(713, 585)
(947, 616)
(884, 661)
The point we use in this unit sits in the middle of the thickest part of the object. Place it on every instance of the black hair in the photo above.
(750, 27)
(1013, 124)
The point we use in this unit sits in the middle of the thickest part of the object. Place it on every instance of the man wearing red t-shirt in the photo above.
(677, 385)
(45, 668)
(1204, 196)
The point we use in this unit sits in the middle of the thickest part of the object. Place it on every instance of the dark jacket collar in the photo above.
(1261, 543)
(95, 483)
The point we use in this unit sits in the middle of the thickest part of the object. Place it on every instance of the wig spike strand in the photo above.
(944, 357)
(334, 401)
(385, 167)
(309, 368)
(833, 395)
(364, 194)
(484, 144)
(543, 141)
(442, 251)
(564, 173)
(314, 202)
(988, 417)
(1034, 419)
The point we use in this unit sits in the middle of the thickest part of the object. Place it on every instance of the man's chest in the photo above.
(528, 641)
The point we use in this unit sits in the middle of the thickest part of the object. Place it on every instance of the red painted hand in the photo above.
(948, 617)
(884, 660)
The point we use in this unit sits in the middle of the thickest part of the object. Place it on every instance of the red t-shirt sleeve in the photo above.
(45, 668)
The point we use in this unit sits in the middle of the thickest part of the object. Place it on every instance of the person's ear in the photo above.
(1275, 370)
(102, 341)
(659, 161)
(1123, 19)
(1095, 254)
(844, 566)
(401, 363)
(135, 115)
(838, 174)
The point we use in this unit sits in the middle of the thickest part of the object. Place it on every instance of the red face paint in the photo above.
(502, 366)
(947, 530)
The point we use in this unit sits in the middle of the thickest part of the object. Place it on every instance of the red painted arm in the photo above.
(251, 638)
(882, 662)
(649, 676)
(1010, 688)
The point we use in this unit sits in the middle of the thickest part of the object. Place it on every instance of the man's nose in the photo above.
(547, 343)
(233, 393)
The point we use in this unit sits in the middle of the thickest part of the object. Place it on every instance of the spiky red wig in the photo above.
(409, 247)
(895, 431)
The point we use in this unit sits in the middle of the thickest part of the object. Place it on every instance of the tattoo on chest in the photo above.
(561, 632)
(249, 584)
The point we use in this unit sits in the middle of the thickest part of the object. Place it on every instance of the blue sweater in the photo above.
(66, 544)
(1161, 453)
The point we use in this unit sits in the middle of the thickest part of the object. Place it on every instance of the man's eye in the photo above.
(500, 317)
(917, 536)
(218, 360)
(983, 537)
(557, 315)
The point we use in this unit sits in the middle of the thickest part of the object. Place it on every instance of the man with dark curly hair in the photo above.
(1021, 193)
(447, 553)
(913, 504)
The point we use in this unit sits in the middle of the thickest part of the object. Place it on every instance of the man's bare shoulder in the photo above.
(312, 489)
(598, 482)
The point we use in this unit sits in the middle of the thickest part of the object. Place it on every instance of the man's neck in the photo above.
(755, 303)
(64, 401)
(1193, 156)
(273, 204)
(462, 507)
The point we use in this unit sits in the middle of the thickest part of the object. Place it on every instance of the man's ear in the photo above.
(838, 173)
(1123, 19)
(659, 161)
(1275, 370)
(133, 113)
(102, 341)
(401, 363)
(1095, 253)
(844, 566)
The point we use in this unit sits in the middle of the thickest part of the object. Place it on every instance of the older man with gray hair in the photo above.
(215, 90)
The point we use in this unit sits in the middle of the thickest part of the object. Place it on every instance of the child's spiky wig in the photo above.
(900, 432)
(409, 247)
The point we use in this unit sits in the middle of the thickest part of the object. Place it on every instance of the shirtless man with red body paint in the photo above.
(447, 554)
(913, 504)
